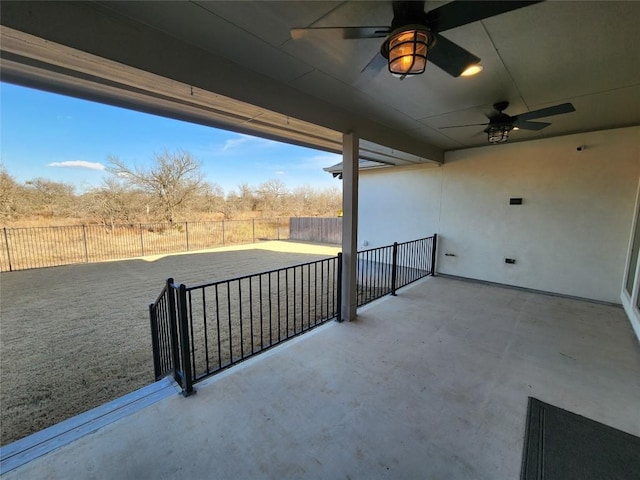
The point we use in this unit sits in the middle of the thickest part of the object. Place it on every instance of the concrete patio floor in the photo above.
(432, 383)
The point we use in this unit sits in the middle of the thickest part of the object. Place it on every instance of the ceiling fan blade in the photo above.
(348, 33)
(376, 64)
(457, 13)
(525, 125)
(547, 112)
(451, 57)
(468, 125)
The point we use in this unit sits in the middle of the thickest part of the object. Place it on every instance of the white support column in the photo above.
(350, 157)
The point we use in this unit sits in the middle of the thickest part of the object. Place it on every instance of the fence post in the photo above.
(223, 233)
(141, 241)
(154, 340)
(253, 225)
(183, 319)
(278, 226)
(433, 255)
(394, 268)
(84, 239)
(6, 242)
(339, 286)
(173, 332)
(186, 229)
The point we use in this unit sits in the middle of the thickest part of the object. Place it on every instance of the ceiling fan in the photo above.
(414, 35)
(500, 124)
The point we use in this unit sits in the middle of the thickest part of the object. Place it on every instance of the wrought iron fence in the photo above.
(163, 317)
(228, 321)
(25, 248)
(202, 329)
(383, 270)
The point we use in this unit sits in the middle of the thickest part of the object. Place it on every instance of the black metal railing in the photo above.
(163, 316)
(383, 270)
(233, 319)
(170, 336)
(202, 329)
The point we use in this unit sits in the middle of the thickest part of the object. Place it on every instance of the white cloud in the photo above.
(280, 172)
(235, 142)
(78, 164)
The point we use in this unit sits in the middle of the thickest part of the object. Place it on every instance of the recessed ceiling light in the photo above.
(472, 70)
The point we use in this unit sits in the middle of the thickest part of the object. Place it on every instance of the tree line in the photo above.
(172, 188)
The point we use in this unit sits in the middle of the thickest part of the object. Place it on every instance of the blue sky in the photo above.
(67, 139)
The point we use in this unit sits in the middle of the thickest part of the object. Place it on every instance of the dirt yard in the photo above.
(74, 337)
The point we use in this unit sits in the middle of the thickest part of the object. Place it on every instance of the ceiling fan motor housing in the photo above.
(408, 13)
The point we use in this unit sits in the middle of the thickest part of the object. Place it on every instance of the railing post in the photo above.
(154, 341)
(394, 268)
(339, 287)
(141, 241)
(84, 239)
(186, 230)
(6, 243)
(433, 255)
(173, 331)
(183, 320)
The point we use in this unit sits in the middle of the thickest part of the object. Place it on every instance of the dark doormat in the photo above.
(560, 445)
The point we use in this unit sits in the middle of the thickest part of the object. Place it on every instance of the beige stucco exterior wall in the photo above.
(398, 204)
(570, 235)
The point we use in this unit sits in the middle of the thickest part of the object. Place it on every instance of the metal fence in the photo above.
(383, 270)
(25, 248)
(199, 330)
(228, 321)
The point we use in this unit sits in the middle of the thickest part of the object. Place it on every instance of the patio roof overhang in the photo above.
(35, 62)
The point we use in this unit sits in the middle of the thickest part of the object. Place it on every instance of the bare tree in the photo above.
(272, 195)
(328, 201)
(247, 201)
(211, 200)
(9, 193)
(174, 179)
(113, 203)
(49, 198)
(306, 200)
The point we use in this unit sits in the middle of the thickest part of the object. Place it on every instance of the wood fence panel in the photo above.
(316, 229)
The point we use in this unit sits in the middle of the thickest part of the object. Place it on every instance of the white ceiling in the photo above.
(586, 53)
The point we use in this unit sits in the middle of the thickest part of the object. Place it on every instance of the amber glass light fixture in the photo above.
(408, 49)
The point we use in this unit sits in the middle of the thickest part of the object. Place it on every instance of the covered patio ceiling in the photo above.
(234, 65)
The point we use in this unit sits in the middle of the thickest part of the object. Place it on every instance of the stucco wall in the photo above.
(398, 204)
(569, 236)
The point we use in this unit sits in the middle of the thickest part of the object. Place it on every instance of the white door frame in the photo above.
(630, 301)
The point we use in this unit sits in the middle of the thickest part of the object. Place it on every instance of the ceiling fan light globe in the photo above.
(498, 133)
(408, 51)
